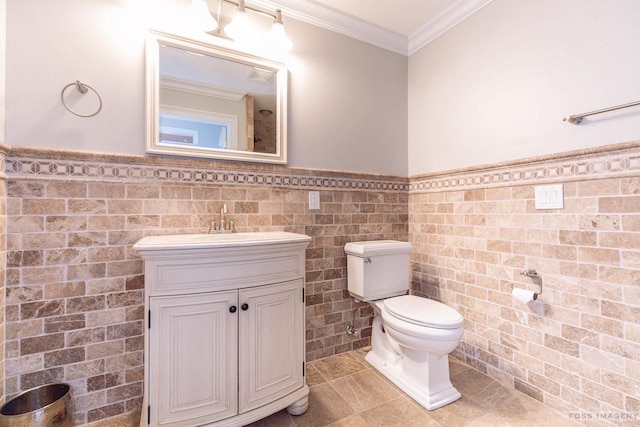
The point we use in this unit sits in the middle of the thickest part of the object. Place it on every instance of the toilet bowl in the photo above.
(422, 324)
(411, 336)
(413, 354)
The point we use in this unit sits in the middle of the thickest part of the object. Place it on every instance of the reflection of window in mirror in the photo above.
(198, 128)
(190, 131)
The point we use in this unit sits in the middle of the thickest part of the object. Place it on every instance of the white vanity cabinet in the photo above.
(225, 338)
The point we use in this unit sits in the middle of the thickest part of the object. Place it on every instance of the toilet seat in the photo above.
(423, 312)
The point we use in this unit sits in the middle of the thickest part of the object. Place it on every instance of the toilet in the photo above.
(411, 336)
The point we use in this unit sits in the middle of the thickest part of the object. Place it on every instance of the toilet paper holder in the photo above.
(533, 274)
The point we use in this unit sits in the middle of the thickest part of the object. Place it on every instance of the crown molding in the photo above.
(339, 22)
(190, 86)
(443, 22)
(331, 19)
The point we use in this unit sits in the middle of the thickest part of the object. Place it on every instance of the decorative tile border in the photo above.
(110, 170)
(604, 162)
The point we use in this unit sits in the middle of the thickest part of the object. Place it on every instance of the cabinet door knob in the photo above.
(245, 306)
(233, 309)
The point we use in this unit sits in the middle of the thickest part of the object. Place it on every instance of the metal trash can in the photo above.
(46, 405)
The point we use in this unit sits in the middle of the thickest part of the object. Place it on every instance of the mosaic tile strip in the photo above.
(566, 168)
(29, 168)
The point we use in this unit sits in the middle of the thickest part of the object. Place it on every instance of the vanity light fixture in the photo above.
(239, 29)
(202, 16)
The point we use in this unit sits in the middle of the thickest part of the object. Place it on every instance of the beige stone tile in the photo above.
(313, 377)
(525, 411)
(325, 406)
(24, 329)
(361, 353)
(458, 413)
(621, 276)
(482, 390)
(599, 255)
(401, 412)
(43, 206)
(353, 421)
(338, 366)
(619, 311)
(602, 324)
(631, 222)
(628, 204)
(129, 419)
(493, 420)
(456, 366)
(364, 390)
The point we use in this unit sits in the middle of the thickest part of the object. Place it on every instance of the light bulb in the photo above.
(277, 36)
(203, 18)
(238, 28)
(279, 39)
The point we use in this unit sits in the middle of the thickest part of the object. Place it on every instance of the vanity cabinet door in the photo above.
(271, 343)
(193, 358)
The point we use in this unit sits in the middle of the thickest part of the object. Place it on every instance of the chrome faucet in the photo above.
(223, 226)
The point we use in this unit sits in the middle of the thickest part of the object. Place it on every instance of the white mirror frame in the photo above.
(153, 144)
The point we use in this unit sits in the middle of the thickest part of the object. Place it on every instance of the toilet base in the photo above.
(421, 393)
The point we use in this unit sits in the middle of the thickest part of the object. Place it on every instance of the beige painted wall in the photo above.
(497, 86)
(347, 99)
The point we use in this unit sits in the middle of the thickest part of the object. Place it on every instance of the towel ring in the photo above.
(82, 88)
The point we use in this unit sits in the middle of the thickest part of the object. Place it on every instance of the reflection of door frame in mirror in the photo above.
(228, 122)
(153, 146)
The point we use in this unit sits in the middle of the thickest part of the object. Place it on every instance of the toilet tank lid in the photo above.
(377, 247)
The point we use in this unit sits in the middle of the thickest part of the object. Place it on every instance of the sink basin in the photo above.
(201, 241)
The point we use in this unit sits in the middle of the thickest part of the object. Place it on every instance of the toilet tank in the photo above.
(377, 269)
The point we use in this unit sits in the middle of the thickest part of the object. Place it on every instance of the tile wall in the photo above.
(74, 291)
(576, 348)
(74, 287)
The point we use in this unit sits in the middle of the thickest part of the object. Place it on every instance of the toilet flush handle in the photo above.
(367, 260)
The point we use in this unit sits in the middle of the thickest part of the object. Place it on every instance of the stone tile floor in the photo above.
(348, 392)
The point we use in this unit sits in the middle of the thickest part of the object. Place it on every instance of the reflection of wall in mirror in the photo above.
(249, 105)
(261, 128)
(265, 134)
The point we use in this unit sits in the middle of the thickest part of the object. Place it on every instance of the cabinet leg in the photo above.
(299, 406)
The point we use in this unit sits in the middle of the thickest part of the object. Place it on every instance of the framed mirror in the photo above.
(207, 101)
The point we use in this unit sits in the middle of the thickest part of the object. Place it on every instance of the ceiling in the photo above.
(402, 26)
